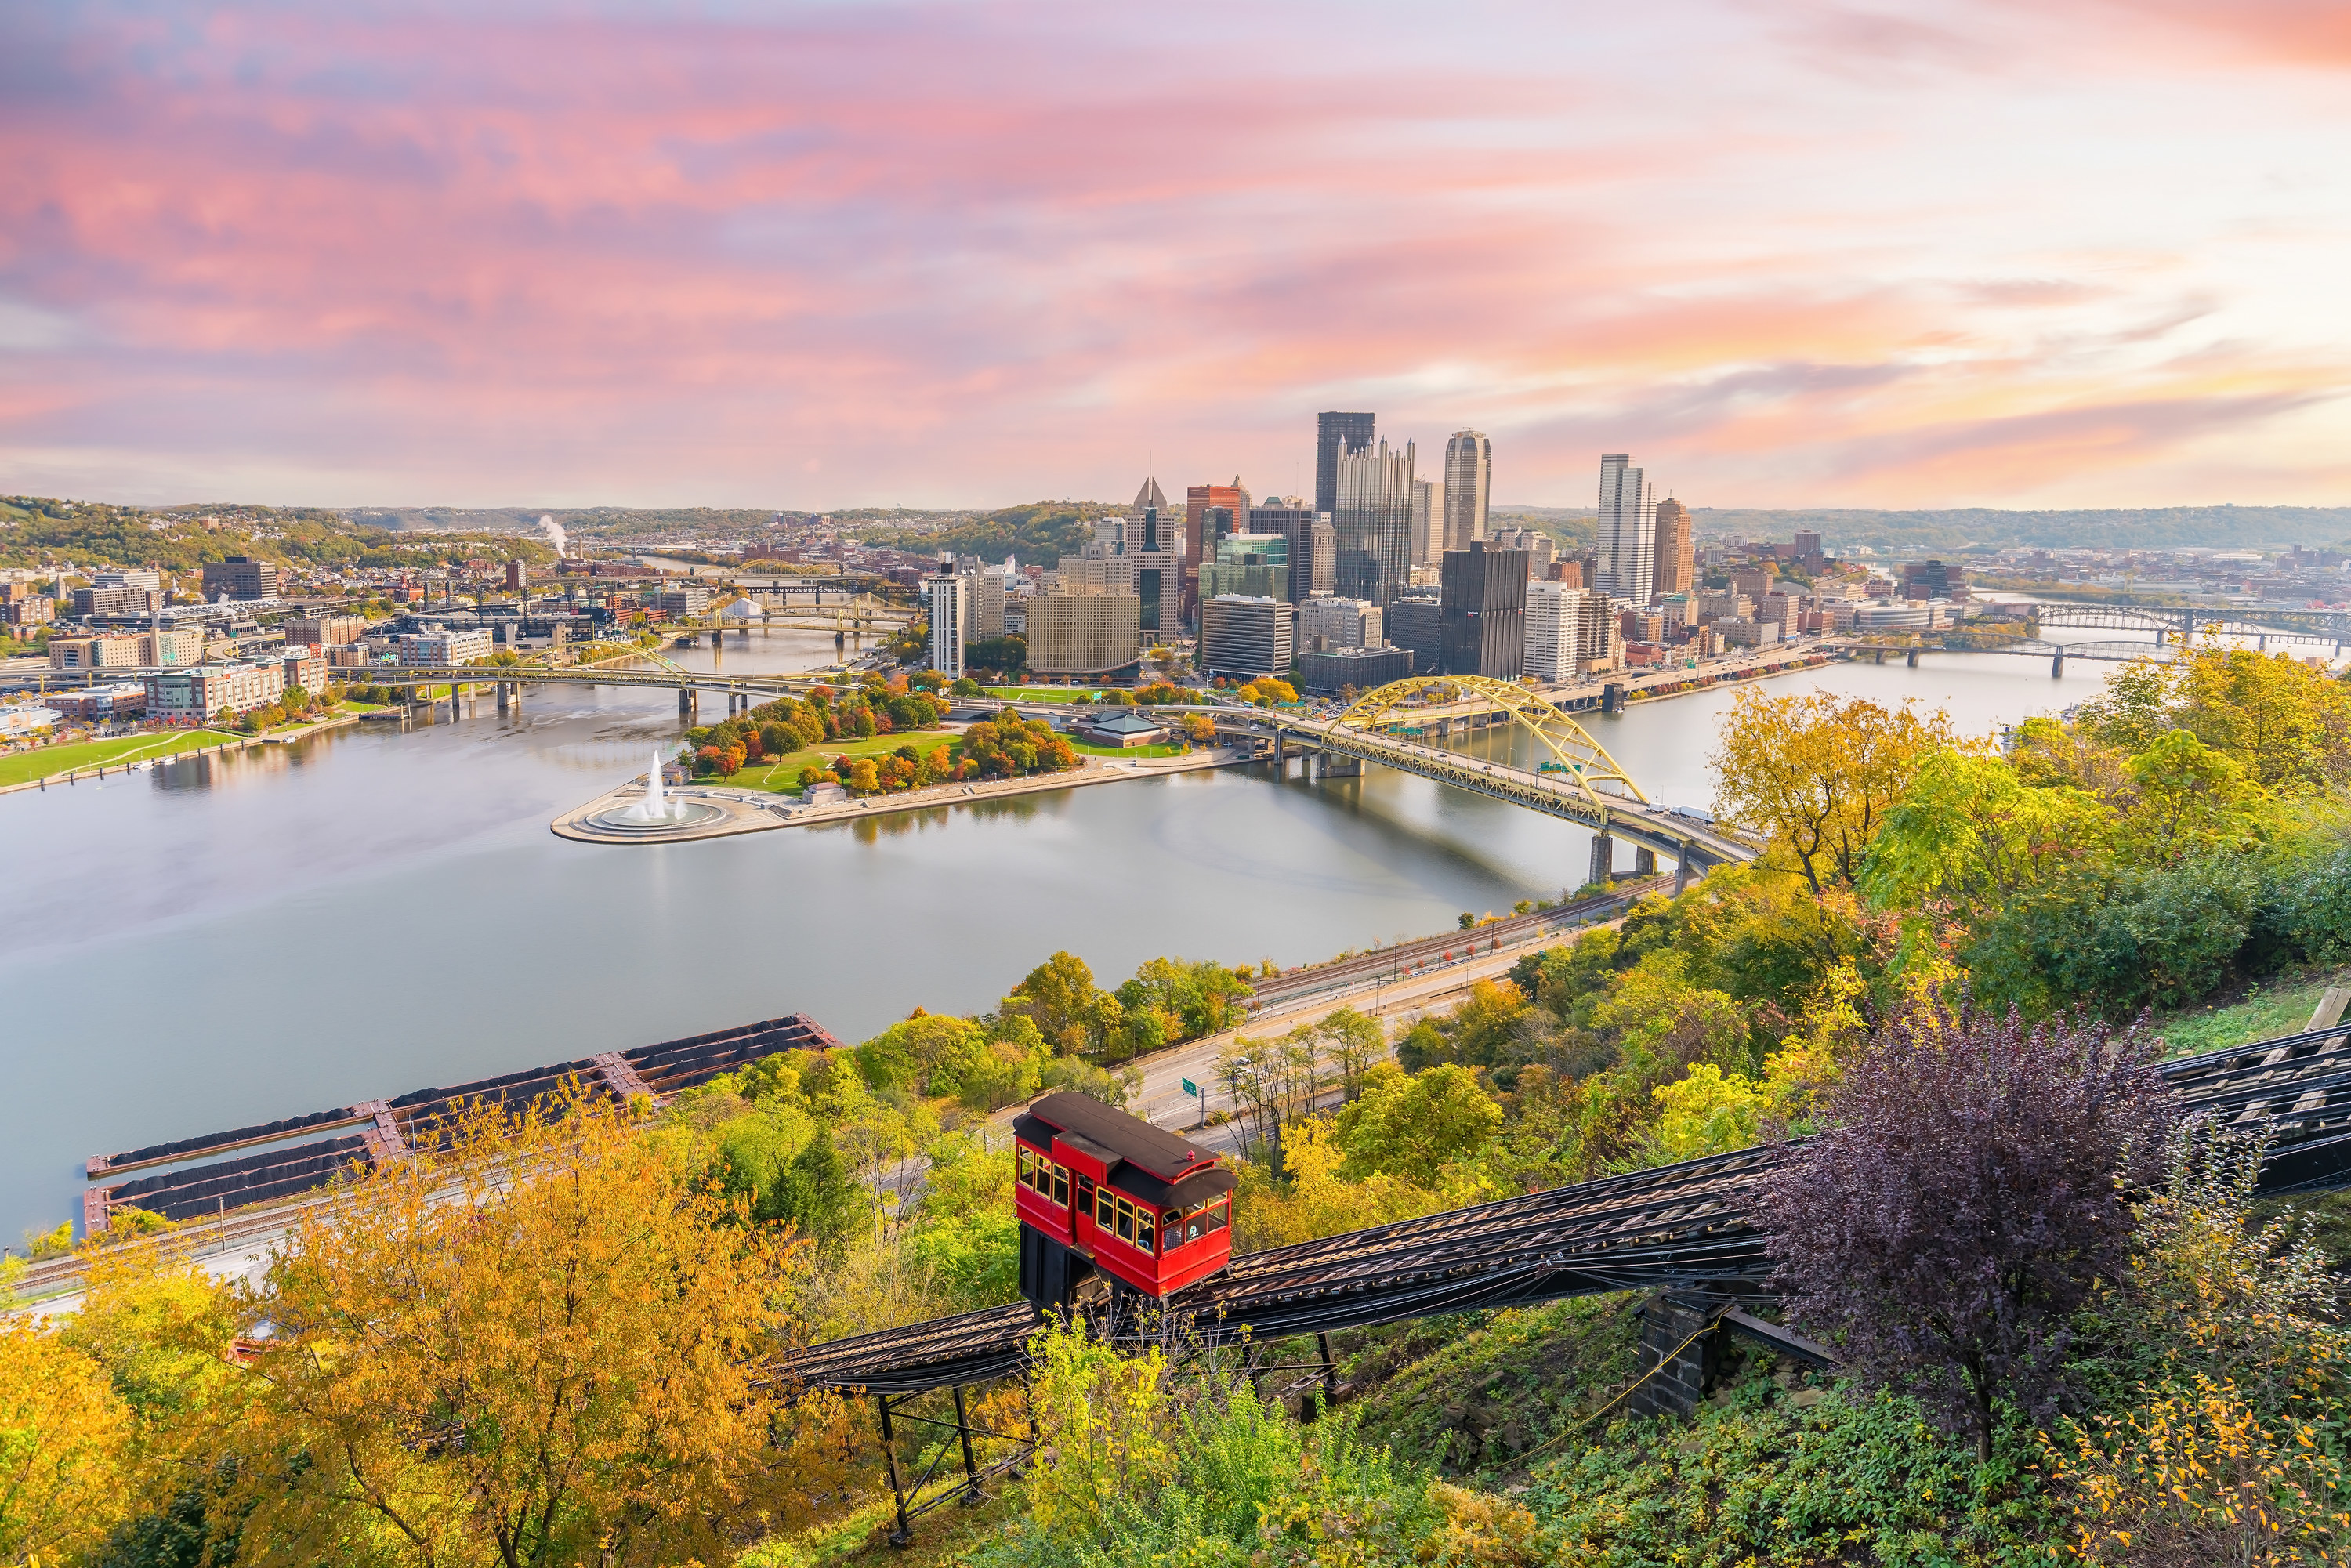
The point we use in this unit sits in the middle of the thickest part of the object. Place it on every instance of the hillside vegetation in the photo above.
(2066, 1331)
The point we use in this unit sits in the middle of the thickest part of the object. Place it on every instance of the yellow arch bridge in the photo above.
(1577, 779)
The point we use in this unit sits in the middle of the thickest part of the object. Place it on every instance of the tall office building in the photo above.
(950, 599)
(1253, 564)
(1428, 546)
(1677, 565)
(1323, 576)
(1628, 531)
(1244, 634)
(1335, 435)
(1483, 603)
(1373, 520)
(1468, 476)
(1293, 519)
(985, 597)
(1201, 530)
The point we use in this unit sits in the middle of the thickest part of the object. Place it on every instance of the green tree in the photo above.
(1411, 1124)
(1069, 1009)
(1353, 1041)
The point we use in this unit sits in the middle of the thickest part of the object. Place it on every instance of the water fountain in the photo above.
(658, 812)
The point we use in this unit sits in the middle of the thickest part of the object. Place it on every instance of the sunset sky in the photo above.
(2020, 255)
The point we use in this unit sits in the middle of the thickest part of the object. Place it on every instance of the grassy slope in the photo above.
(53, 761)
(2282, 1006)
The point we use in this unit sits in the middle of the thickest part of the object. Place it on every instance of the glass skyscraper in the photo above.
(1628, 531)
(1373, 518)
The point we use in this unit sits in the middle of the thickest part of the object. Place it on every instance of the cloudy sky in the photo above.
(2055, 253)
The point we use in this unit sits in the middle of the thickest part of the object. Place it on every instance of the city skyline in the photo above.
(1922, 256)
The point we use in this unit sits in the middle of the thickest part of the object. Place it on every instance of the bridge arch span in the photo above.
(1583, 760)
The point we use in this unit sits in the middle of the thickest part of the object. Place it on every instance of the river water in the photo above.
(290, 928)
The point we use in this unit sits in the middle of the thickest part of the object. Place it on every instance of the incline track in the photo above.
(1688, 1227)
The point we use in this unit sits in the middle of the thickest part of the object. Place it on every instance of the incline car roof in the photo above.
(1135, 1141)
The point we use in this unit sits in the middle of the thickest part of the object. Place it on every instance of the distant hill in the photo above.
(35, 530)
(2158, 527)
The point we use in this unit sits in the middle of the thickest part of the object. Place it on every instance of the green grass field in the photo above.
(783, 774)
(1044, 693)
(1084, 750)
(2280, 1007)
(51, 761)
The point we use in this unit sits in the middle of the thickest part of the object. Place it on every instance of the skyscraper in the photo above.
(1200, 533)
(1677, 559)
(950, 604)
(1373, 518)
(1294, 521)
(1335, 434)
(1468, 475)
(1483, 611)
(1628, 531)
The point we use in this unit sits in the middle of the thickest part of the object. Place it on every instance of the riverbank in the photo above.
(137, 753)
(756, 812)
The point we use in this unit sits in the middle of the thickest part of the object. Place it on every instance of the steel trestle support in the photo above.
(907, 1495)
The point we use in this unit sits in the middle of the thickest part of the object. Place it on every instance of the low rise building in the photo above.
(20, 720)
(679, 603)
(1245, 634)
(1333, 672)
(101, 705)
(184, 646)
(28, 609)
(437, 645)
(1747, 633)
(325, 631)
(1124, 729)
(195, 694)
(1891, 615)
(306, 668)
(117, 603)
(103, 653)
(241, 577)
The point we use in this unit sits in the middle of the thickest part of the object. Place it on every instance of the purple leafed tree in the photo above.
(1970, 1190)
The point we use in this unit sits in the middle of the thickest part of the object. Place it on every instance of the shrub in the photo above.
(1966, 1198)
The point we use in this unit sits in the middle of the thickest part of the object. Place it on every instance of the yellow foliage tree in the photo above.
(543, 1345)
(1818, 773)
(66, 1443)
(1102, 1430)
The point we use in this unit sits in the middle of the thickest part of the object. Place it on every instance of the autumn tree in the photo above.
(1971, 1190)
(1069, 1010)
(1817, 773)
(543, 1345)
(65, 1447)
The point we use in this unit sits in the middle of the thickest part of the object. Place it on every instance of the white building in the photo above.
(1570, 631)
(1891, 615)
(438, 647)
(1628, 531)
(949, 597)
(195, 695)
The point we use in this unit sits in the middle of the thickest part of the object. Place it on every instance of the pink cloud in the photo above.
(975, 254)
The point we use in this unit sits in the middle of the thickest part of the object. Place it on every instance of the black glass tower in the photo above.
(1334, 433)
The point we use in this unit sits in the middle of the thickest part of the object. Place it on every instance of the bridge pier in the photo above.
(2057, 664)
(506, 696)
(1603, 857)
(2262, 643)
(1679, 1353)
(1682, 869)
(1645, 860)
(686, 703)
(1913, 659)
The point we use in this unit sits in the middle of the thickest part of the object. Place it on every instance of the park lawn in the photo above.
(1044, 693)
(50, 761)
(784, 773)
(1084, 750)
